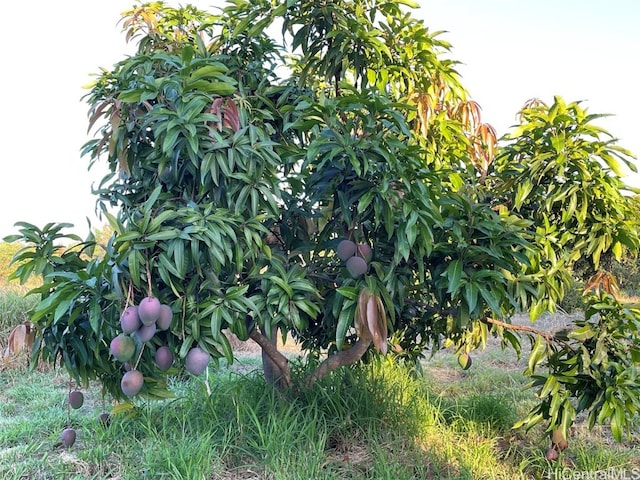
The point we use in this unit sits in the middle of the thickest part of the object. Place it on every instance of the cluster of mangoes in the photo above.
(356, 256)
(141, 322)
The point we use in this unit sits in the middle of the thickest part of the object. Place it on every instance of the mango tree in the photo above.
(316, 169)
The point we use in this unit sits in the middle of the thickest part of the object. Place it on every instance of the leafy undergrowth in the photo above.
(374, 422)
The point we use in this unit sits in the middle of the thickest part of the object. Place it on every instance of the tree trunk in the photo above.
(272, 372)
(275, 364)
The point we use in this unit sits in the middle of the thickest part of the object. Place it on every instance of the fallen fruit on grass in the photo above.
(164, 358)
(104, 418)
(149, 310)
(196, 361)
(68, 437)
(122, 347)
(464, 360)
(76, 399)
(131, 383)
(356, 266)
(551, 454)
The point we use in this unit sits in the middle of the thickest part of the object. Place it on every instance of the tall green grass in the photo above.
(14, 308)
(379, 421)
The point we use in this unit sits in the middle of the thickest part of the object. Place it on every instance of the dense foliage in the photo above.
(239, 163)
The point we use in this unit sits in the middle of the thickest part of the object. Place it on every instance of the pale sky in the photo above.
(511, 50)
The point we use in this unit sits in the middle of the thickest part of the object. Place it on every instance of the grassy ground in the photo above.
(372, 422)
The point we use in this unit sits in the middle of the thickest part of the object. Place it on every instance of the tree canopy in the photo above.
(318, 169)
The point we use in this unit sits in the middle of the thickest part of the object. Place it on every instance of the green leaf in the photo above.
(282, 284)
(349, 292)
(209, 71)
(522, 193)
(62, 308)
(128, 236)
(454, 274)
(617, 422)
(134, 268)
(227, 350)
(536, 309)
(456, 180)
(166, 263)
(131, 96)
(583, 333)
(151, 201)
(613, 164)
(187, 53)
(214, 88)
(159, 219)
(538, 352)
(170, 140)
(169, 234)
(551, 387)
(471, 292)
(344, 322)
(95, 316)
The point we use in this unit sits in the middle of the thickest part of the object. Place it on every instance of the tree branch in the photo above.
(337, 360)
(274, 354)
(550, 338)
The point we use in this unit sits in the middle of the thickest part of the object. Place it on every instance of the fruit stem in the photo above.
(149, 291)
(68, 404)
(135, 367)
(184, 314)
(129, 296)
